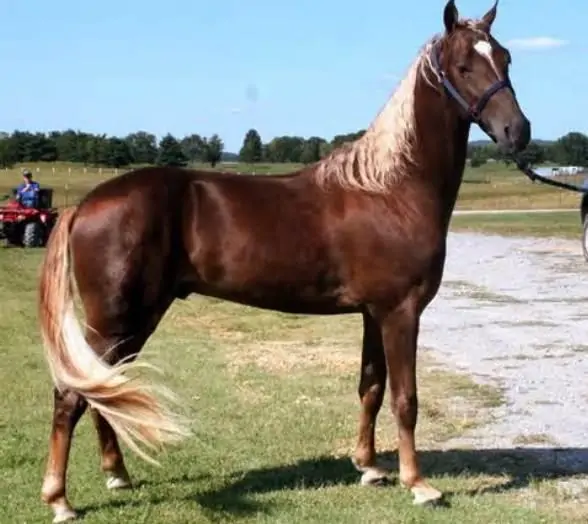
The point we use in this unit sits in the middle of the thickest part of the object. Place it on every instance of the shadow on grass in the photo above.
(519, 467)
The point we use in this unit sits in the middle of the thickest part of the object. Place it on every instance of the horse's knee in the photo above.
(405, 408)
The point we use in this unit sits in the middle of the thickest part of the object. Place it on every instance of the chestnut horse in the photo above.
(361, 231)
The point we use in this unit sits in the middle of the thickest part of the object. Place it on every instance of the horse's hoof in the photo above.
(118, 483)
(375, 477)
(427, 496)
(63, 515)
(372, 475)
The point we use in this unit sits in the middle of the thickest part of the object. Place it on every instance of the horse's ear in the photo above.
(450, 16)
(489, 17)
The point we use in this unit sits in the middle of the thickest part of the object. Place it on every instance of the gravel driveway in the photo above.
(514, 312)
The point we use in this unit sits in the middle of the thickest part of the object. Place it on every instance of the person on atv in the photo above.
(27, 193)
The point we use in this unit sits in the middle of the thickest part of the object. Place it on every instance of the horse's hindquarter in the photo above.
(261, 241)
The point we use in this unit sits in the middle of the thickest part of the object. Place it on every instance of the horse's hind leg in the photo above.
(372, 386)
(67, 410)
(69, 407)
(127, 347)
(111, 457)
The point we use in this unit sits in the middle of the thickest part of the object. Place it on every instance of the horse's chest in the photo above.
(389, 268)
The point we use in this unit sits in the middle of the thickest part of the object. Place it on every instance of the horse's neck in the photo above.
(441, 145)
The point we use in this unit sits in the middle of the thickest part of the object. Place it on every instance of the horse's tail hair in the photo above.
(133, 409)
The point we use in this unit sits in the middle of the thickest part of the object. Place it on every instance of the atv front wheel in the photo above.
(33, 235)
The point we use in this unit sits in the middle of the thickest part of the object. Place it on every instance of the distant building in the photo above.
(560, 170)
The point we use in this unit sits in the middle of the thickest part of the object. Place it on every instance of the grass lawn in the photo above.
(565, 224)
(495, 186)
(274, 404)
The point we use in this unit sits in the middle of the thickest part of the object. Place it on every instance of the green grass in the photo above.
(565, 224)
(273, 399)
(495, 186)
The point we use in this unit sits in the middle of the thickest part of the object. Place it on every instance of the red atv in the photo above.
(28, 226)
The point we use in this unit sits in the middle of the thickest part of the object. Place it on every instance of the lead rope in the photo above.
(533, 176)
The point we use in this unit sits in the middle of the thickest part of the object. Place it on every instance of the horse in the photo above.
(362, 231)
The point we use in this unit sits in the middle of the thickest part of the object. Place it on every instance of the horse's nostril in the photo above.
(507, 131)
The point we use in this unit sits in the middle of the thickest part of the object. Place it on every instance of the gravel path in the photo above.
(514, 312)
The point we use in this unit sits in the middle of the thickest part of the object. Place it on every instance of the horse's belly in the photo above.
(298, 286)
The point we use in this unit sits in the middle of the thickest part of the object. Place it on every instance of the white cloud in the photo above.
(536, 43)
(235, 110)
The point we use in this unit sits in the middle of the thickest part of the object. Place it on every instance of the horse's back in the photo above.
(251, 239)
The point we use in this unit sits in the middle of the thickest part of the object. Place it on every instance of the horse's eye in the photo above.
(463, 69)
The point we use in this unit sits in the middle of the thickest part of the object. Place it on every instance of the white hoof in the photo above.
(118, 483)
(426, 496)
(63, 515)
(374, 477)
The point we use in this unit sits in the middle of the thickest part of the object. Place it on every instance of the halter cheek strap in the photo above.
(475, 110)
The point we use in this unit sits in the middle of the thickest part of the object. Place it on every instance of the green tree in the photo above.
(96, 150)
(143, 147)
(339, 140)
(213, 150)
(533, 154)
(8, 152)
(311, 150)
(572, 149)
(71, 145)
(285, 149)
(193, 148)
(325, 149)
(170, 152)
(117, 153)
(478, 158)
(252, 149)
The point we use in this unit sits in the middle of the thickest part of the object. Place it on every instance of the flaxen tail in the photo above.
(131, 408)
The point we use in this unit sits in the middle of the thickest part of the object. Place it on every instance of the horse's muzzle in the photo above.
(515, 135)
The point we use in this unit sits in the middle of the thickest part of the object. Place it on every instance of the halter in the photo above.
(474, 111)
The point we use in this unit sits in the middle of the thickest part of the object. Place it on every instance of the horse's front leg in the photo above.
(400, 328)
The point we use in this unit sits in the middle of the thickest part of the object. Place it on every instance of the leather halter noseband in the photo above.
(474, 111)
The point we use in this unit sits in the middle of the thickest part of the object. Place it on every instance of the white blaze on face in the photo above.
(484, 48)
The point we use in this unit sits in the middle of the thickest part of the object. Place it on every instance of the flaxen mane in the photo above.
(384, 154)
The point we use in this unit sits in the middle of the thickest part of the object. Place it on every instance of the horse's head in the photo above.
(474, 69)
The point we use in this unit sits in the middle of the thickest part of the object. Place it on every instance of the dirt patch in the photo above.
(534, 439)
(282, 357)
(478, 292)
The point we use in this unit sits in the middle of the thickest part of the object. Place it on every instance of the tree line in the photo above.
(109, 151)
(144, 148)
(569, 149)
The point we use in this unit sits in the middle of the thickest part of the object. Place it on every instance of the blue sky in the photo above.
(305, 67)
